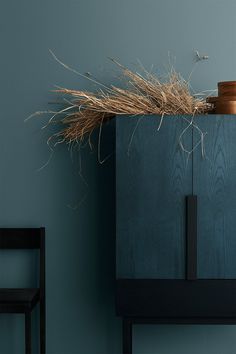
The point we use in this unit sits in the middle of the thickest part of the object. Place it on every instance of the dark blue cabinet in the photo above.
(153, 177)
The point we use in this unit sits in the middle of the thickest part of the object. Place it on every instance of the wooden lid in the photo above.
(227, 88)
(226, 83)
(226, 98)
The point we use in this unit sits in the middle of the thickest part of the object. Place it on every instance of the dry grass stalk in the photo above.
(145, 94)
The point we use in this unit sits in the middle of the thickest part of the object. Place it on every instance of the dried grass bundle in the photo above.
(145, 94)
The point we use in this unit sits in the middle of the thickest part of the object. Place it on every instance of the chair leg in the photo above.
(42, 327)
(28, 348)
(127, 336)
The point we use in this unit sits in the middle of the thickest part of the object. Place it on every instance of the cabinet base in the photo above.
(177, 301)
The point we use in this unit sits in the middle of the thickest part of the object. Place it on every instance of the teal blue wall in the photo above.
(80, 244)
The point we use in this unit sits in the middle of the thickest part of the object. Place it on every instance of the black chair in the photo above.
(24, 300)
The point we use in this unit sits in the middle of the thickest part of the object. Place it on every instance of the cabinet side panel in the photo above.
(153, 176)
(214, 182)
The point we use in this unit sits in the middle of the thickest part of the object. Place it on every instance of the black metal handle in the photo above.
(191, 237)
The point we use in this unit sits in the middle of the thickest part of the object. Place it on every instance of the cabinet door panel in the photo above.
(153, 176)
(214, 182)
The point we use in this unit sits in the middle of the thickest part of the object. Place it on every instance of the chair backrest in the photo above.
(26, 238)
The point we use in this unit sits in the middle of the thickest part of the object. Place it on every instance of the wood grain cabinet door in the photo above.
(214, 183)
(153, 176)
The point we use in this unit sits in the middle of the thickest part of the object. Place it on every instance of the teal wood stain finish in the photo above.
(153, 177)
(214, 182)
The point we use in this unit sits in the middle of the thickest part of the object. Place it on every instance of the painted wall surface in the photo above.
(80, 241)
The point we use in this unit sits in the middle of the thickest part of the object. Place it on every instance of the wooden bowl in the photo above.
(225, 103)
(225, 107)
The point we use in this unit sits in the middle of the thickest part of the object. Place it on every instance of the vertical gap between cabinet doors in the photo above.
(192, 158)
